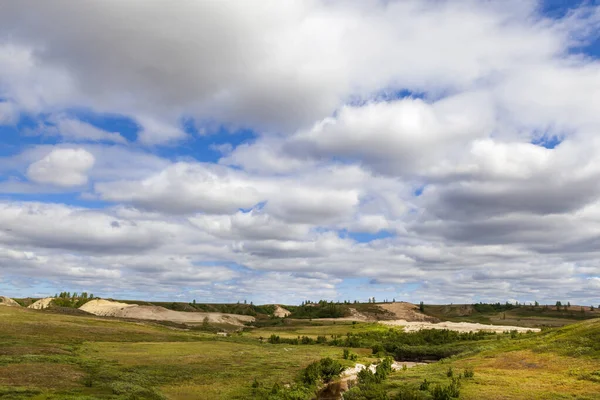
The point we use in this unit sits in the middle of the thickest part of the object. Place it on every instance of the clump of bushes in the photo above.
(448, 392)
(468, 373)
(326, 369)
(348, 355)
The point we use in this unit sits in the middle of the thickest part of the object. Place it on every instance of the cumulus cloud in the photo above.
(439, 151)
(269, 65)
(62, 167)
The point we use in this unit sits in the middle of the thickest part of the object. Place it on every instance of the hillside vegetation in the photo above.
(50, 355)
(510, 314)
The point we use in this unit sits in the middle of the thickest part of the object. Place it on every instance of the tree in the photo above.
(568, 304)
(537, 304)
(558, 305)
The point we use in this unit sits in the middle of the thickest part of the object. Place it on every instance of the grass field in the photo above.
(46, 355)
(557, 364)
(53, 356)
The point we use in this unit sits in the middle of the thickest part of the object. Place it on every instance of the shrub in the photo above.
(469, 373)
(346, 354)
(330, 368)
(446, 392)
(326, 369)
(409, 393)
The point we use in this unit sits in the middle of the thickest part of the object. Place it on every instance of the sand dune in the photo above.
(42, 303)
(7, 301)
(281, 312)
(412, 326)
(156, 313)
(407, 311)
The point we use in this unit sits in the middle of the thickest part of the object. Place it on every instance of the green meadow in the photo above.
(45, 355)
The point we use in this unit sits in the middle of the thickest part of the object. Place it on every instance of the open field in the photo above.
(48, 355)
(560, 364)
(52, 356)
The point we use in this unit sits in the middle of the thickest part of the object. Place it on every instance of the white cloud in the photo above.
(62, 167)
(76, 130)
(8, 113)
(476, 209)
(185, 188)
(399, 137)
(269, 65)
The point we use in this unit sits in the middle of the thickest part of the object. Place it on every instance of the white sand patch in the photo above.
(281, 312)
(122, 310)
(351, 373)
(413, 326)
(42, 303)
(7, 301)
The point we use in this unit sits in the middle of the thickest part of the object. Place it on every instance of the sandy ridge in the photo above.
(7, 301)
(281, 312)
(42, 303)
(110, 308)
(413, 326)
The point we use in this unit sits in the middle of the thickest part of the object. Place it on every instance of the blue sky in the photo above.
(435, 151)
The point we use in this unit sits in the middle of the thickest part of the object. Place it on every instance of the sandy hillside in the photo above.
(42, 303)
(355, 315)
(413, 326)
(7, 301)
(281, 312)
(156, 313)
(407, 311)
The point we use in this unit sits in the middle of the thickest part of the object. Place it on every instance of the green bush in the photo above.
(410, 393)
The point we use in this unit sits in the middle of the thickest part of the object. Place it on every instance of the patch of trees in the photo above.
(423, 345)
(322, 309)
(239, 308)
(276, 339)
(72, 300)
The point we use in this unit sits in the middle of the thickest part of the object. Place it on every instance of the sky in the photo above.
(277, 151)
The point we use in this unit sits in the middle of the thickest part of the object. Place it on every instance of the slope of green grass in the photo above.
(53, 356)
(560, 363)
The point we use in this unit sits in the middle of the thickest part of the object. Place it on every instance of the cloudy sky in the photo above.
(276, 151)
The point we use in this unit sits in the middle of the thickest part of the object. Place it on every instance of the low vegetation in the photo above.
(49, 355)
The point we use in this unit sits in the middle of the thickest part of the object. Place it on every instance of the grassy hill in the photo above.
(45, 355)
(561, 363)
